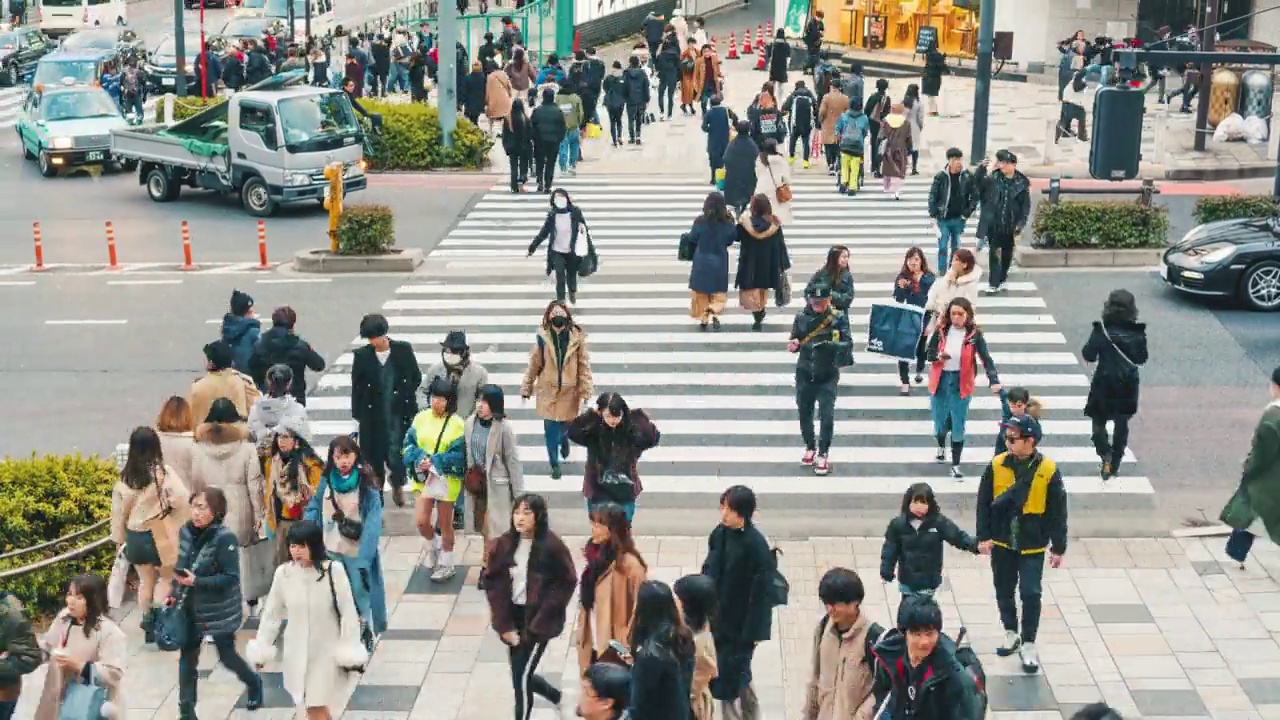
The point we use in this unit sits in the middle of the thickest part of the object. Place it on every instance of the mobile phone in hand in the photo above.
(619, 648)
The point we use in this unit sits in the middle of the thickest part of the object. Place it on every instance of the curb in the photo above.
(324, 262)
(1030, 257)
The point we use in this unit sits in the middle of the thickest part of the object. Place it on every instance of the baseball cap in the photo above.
(1026, 425)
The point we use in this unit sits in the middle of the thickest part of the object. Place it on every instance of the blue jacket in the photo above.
(241, 333)
(917, 296)
(854, 121)
(368, 558)
(450, 463)
(550, 74)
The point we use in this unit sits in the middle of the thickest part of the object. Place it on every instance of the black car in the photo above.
(162, 64)
(238, 30)
(20, 50)
(1235, 259)
(121, 40)
(193, 4)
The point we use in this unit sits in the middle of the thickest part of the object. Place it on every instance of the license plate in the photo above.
(93, 156)
(326, 191)
(167, 82)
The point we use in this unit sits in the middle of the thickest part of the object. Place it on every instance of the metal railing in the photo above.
(73, 554)
(536, 21)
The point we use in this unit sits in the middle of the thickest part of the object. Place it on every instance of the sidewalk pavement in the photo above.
(1154, 627)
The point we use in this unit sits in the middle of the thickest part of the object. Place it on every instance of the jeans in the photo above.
(1000, 257)
(565, 266)
(399, 78)
(1010, 571)
(544, 161)
(523, 659)
(949, 232)
(809, 392)
(570, 150)
(634, 114)
(133, 103)
(629, 508)
(519, 168)
(615, 124)
(803, 137)
(903, 365)
(1111, 450)
(553, 432)
(850, 170)
(667, 91)
(704, 98)
(359, 578)
(189, 664)
(947, 405)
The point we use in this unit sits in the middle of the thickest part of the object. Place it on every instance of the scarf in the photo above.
(291, 461)
(598, 558)
(344, 484)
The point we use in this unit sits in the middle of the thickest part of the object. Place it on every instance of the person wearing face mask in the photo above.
(559, 373)
(568, 241)
(493, 465)
(615, 437)
(821, 338)
(467, 377)
(913, 545)
(434, 447)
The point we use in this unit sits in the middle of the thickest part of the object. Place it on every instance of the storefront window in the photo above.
(1233, 16)
(895, 24)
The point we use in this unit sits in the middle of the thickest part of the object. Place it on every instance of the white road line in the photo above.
(86, 322)
(293, 281)
(17, 283)
(145, 282)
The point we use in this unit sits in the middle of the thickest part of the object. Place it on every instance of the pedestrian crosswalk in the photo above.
(725, 401)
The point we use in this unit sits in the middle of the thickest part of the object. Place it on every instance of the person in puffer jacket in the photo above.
(913, 545)
(280, 345)
(549, 128)
(615, 101)
(275, 407)
(820, 336)
(241, 329)
(637, 97)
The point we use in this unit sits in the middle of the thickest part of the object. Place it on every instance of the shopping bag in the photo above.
(782, 291)
(437, 487)
(815, 145)
(893, 329)
(720, 179)
(82, 701)
(593, 131)
(257, 569)
(119, 580)
(173, 627)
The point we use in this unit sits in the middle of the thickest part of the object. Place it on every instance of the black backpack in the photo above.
(779, 588)
(974, 676)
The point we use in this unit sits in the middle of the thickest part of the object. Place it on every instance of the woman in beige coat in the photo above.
(559, 373)
(174, 427)
(225, 458)
(610, 582)
(833, 105)
(82, 638)
(497, 97)
(492, 448)
(148, 509)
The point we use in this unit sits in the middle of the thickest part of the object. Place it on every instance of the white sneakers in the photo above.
(1026, 651)
(445, 569)
(1012, 641)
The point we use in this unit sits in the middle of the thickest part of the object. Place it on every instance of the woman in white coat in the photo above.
(961, 280)
(322, 649)
(914, 110)
(773, 173)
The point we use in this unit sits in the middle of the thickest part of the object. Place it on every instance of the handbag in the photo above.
(333, 595)
(82, 701)
(686, 249)
(783, 191)
(589, 263)
(476, 482)
(173, 627)
(1237, 513)
(782, 291)
(119, 579)
(349, 528)
(258, 569)
(617, 486)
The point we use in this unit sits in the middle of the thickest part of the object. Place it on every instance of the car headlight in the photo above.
(60, 143)
(298, 179)
(1216, 256)
(355, 169)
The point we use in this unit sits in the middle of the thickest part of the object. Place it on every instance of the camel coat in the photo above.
(176, 449)
(688, 84)
(224, 457)
(105, 647)
(144, 509)
(700, 72)
(561, 391)
(615, 608)
(497, 95)
(504, 476)
(232, 384)
(833, 105)
(704, 671)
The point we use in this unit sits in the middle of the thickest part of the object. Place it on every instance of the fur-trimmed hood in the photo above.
(221, 433)
(758, 228)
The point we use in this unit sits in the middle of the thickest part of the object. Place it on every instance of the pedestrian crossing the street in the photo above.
(725, 401)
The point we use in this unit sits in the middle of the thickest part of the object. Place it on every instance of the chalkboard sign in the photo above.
(926, 38)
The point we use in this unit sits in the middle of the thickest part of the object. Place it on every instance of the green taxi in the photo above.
(68, 125)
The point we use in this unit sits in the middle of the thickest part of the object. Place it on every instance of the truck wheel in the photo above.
(257, 198)
(47, 168)
(160, 187)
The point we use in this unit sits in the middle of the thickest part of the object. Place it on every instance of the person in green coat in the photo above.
(1255, 507)
(19, 652)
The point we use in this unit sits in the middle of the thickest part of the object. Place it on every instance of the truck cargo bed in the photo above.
(155, 144)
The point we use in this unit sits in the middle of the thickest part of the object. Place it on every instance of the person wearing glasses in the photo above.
(1022, 516)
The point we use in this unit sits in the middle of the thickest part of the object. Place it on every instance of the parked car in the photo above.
(20, 50)
(162, 64)
(1234, 259)
(121, 41)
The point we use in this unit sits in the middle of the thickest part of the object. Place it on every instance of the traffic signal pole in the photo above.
(982, 80)
(180, 49)
(447, 98)
(1206, 70)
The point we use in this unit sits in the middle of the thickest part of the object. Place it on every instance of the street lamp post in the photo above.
(179, 50)
(203, 62)
(982, 80)
(447, 98)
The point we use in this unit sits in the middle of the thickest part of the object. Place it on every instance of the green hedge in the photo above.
(1108, 224)
(44, 498)
(1231, 207)
(366, 229)
(410, 138)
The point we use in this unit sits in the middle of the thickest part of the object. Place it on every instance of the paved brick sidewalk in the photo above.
(1155, 627)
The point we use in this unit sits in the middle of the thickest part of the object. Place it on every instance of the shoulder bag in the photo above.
(474, 480)
(783, 191)
(173, 627)
(1119, 352)
(349, 528)
(436, 487)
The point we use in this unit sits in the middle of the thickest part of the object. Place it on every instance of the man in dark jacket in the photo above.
(1022, 513)
(208, 71)
(232, 70)
(740, 564)
(19, 652)
(240, 329)
(813, 33)
(716, 123)
(917, 673)
(876, 109)
(637, 84)
(549, 128)
(593, 71)
(384, 389)
(257, 66)
(280, 346)
(668, 68)
(652, 28)
(951, 201)
(380, 51)
(802, 106)
(1006, 203)
(820, 335)
(740, 168)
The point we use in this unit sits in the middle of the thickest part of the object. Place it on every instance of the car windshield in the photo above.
(8, 40)
(52, 73)
(61, 3)
(311, 122)
(91, 40)
(245, 28)
(280, 8)
(77, 105)
(169, 47)
(253, 4)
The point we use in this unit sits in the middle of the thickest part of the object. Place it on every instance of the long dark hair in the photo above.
(832, 268)
(912, 97)
(924, 262)
(145, 458)
(657, 627)
(347, 443)
(516, 119)
(1120, 307)
(614, 517)
(768, 149)
(541, 526)
(94, 591)
(963, 304)
(309, 535)
(698, 601)
(715, 209)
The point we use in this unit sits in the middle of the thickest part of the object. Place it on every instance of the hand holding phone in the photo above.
(621, 649)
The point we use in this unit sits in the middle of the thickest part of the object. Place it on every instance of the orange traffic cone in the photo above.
(760, 60)
(759, 38)
(733, 47)
(747, 46)
(768, 29)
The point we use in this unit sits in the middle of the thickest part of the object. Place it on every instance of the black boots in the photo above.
(956, 449)
(758, 325)
(148, 625)
(256, 698)
(187, 711)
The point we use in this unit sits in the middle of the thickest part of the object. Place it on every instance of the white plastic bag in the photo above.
(1255, 130)
(1230, 129)
(119, 580)
(437, 487)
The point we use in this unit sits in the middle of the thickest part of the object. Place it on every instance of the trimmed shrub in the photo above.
(366, 229)
(45, 498)
(1108, 224)
(1232, 207)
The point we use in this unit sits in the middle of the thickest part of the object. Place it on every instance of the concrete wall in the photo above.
(622, 23)
(1038, 25)
(1266, 27)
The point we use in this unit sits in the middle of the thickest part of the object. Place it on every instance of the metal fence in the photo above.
(75, 553)
(536, 21)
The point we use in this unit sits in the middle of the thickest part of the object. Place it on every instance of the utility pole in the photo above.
(447, 98)
(179, 49)
(293, 21)
(307, 27)
(1206, 70)
(982, 80)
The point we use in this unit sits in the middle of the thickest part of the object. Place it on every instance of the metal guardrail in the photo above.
(536, 21)
(51, 543)
(75, 554)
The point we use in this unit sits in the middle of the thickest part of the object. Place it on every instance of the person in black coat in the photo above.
(935, 66)
(517, 143)
(1118, 343)
(716, 123)
(560, 231)
(913, 545)
(740, 563)
(593, 71)
(667, 66)
(615, 101)
(779, 56)
(636, 83)
(257, 65)
(384, 399)
(232, 70)
(740, 168)
(280, 346)
(549, 129)
(802, 106)
(473, 93)
(662, 652)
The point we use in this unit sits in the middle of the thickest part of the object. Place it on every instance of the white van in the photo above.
(62, 17)
(323, 17)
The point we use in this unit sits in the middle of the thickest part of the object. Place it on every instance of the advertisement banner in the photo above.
(795, 19)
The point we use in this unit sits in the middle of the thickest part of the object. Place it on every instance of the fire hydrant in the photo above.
(333, 202)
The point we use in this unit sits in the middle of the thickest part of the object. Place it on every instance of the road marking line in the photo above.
(85, 322)
(145, 282)
(17, 283)
(286, 281)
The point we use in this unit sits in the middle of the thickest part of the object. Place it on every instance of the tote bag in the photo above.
(893, 329)
(82, 701)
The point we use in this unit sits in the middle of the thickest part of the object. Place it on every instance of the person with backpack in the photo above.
(258, 66)
(1022, 516)
(615, 101)
(743, 567)
(802, 106)
(844, 661)
(913, 545)
(667, 67)
(593, 72)
(131, 85)
(549, 128)
(851, 131)
(766, 119)
(717, 123)
(921, 674)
